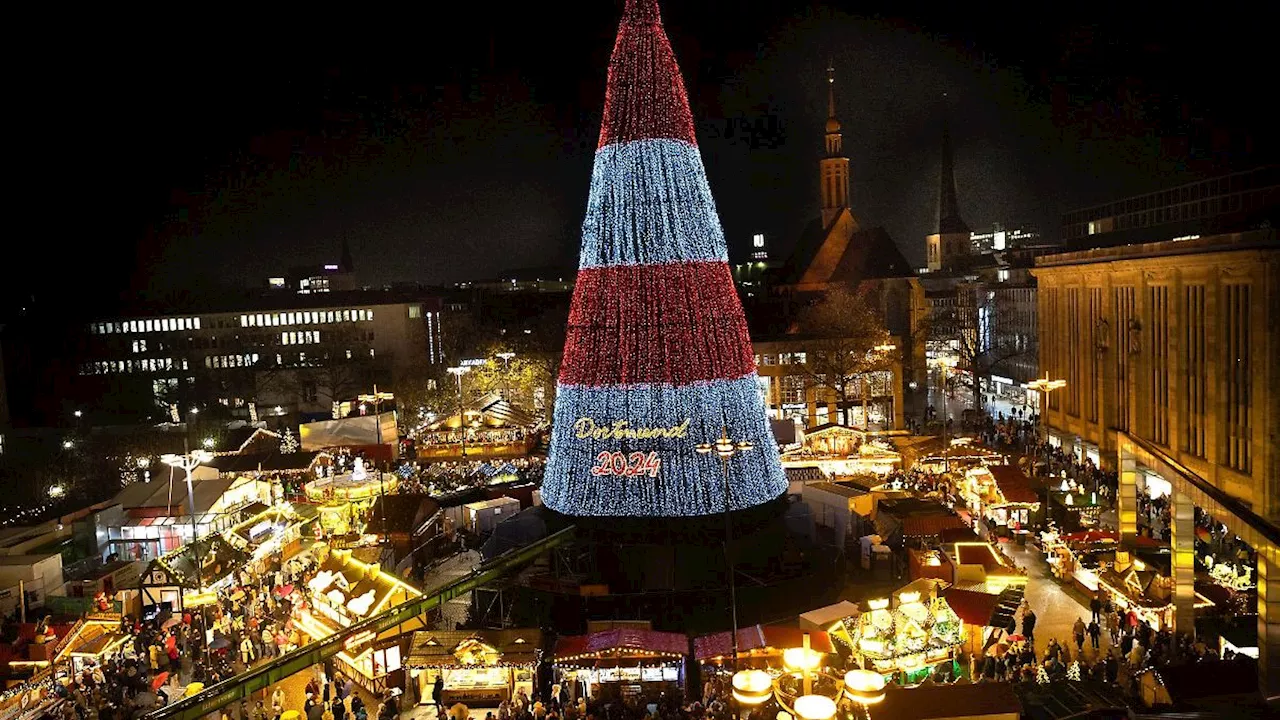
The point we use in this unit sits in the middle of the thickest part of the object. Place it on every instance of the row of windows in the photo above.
(305, 317)
(1260, 178)
(231, 361)
(300, 337)
(782, 359)
(107, 367)
(153, 325)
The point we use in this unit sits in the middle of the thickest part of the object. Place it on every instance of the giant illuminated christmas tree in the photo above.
(657, 358)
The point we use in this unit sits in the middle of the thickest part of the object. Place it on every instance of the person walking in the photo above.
(1029, 625)
(1095, 607)
(437, 695)
(1077, 631)
(1095, 633)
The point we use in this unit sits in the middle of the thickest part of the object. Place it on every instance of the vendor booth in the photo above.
(479, 667)
(345, 591)
(842, 451)
(623, 663)
(907, 635)
(488, 428)
(1001, 495)
(759, 646)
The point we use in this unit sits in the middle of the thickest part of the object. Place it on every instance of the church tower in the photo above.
(951, 238)
(834, 167)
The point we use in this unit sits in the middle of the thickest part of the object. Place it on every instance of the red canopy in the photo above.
(759, 637)
(975, 608)
(1091, 536)
(621, 642)
(1014, 484)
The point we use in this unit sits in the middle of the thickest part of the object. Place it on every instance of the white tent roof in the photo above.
(822, 618)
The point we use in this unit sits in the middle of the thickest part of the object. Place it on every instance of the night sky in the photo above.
(454, 147)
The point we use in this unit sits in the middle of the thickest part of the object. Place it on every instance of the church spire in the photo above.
(949, 220)
(834, 167)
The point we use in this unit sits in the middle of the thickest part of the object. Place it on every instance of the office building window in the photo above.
(792, 389)
(1194, 369)
(415, 312)
(1236, 317)
(1158, 400)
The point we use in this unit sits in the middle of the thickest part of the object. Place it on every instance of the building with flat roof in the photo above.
(1169, 354)
(289, 354)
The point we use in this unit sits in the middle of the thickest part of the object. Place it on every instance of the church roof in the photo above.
(870, 255)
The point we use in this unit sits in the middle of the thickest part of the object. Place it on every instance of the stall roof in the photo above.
(840, 489)
(927, 525)
(975, 608)
(621, 640)
(403, 512)
(759, 637)
(435, 648)
(949, 701)
(825, 616)
(265, 462)
(1014, 484)
(160, 493)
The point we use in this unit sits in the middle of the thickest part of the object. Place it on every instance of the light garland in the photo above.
(657, 339)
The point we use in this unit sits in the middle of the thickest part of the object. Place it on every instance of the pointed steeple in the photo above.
(833, 169)
(345, 263)
(949, 220)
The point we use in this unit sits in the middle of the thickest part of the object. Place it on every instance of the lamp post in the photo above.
(944, 364)
(506, 370)
(725, 449)
(459, 371)
(754, 687)
(1044, 386)
(188, 461)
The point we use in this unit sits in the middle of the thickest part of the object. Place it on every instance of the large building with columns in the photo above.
(1171, 356)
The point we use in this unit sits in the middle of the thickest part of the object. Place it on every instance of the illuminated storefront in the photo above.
(479, 667)
(624, 663)
(345, 591)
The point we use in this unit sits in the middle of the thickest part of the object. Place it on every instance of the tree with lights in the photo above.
(657, 358)
(844, 342)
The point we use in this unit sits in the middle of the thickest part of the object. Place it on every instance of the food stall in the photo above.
(841, 451)
(479, 667)
(276, 532)
(344, 591)
(759, 646)
(92, 642)
(932, 454)
(623, 663)
(911, 637)
(1002, 495)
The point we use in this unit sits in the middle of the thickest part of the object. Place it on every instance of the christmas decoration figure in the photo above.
(657, 358)
(289, 443)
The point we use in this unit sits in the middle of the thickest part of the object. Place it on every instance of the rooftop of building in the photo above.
(1265, 239)
(268, 302)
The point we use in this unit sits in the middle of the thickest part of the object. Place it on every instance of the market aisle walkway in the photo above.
(1056, 609)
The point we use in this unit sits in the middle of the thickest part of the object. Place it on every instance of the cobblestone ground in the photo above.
(1055, 606)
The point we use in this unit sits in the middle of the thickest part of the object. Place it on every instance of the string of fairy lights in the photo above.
(650, 203)
(647, 324)
(657, 358)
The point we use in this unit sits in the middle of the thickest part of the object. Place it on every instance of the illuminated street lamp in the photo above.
(459, 371)
(208, 443)
(754, 687)
(78, 413)
(725, 449)
(1044, 386)
(506, 377)
(57, 491)
(190, 461)
(67, 444)
(865, 687)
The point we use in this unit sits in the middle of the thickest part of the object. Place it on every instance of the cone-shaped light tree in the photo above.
(657, 357)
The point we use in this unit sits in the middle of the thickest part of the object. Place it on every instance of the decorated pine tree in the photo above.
(657, 358)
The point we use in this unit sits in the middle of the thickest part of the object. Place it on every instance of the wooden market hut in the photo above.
(479, 667)
(624, 662)
(759, 646)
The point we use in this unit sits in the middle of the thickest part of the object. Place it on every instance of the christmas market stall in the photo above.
(841, 451)
(934, 454)
(490, 427)
(908, 636)
(1001, 495)
(344, 591)
(478, 667)
(93, 642)
(759, 646)
(343, 499)
(275, 532)
(623, 663)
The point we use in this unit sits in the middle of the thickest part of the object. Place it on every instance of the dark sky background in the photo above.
(447, 147)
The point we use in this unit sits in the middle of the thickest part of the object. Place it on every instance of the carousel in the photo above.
(477, 667)
(839, 450)
(343, 499)
(907, 636)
